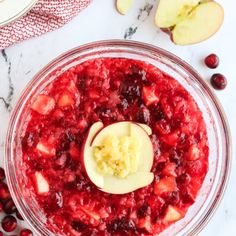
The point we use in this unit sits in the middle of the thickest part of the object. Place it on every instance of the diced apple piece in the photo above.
(43, 104)
(193, 153)
(123, 6)
(173, 214)
(130, 183)
(145, 223)
(46, 149)
(65, 100)
(169, 169)
(172, 138)
(41, 184)
(170, 12)
(149, 96)
(165, 185)
(204, 21)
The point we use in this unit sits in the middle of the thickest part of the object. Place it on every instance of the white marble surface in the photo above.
(19, 63)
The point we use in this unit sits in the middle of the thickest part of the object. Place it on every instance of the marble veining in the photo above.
(142, 16)
(145, 11)
(130, 32)
(7, 101)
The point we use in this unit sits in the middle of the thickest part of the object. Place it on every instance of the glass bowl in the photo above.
(215, 182)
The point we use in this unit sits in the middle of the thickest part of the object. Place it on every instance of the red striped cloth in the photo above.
(45, 16)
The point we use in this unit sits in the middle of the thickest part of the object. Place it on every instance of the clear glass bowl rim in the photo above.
(145, 48)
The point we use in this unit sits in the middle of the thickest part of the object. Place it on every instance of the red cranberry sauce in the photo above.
(113, 90)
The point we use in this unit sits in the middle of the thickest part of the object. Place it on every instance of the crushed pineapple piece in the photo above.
(117, 156)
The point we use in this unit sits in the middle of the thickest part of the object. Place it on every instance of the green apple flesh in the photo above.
(201, 24)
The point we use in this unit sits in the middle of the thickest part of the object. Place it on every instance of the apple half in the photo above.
(189, 21)
(113, 184)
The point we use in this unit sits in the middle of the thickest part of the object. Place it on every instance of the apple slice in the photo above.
(133, 182)
(146, 128)
(201, 24)
(189, 21)
(123, 6)
(87, 156)
(112, 183)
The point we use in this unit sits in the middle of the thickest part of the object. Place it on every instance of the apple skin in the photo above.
(166, 30)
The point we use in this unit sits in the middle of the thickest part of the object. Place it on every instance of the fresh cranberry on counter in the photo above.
(218, 81)
(212, 61)
(9, 223)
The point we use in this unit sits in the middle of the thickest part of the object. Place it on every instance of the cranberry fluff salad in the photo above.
(114, 146)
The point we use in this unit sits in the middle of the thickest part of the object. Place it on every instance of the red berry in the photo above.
(4, 191)
(2, 174)
(218, 81)
(26, 232)
(212, 61)
(18, 215)
(9, 207)
(1, 233)
(9, 223)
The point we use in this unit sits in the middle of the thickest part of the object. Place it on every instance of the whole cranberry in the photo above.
(9, 223)
(26, 232)
(18, 215)
(2, 174)
(1, 233)
(212, 61)
(9, 207)
(4, 191)
(218, 81)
